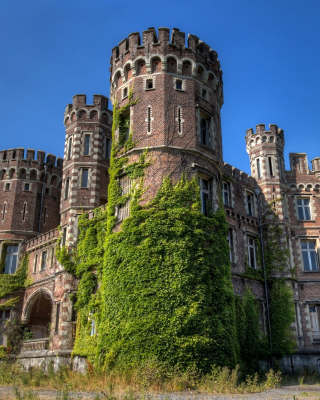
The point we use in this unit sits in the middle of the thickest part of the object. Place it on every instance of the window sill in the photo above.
(125, 97)
(149, 89)
(84, 188)
(206, 147)
(306, 220)
(179, 90)
(311, 272)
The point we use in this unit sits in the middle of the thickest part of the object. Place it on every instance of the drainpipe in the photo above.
(42, 193)
(258, 194)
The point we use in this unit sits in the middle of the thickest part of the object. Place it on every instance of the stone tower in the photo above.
(86, 160)
(265, 149)
(180, 94)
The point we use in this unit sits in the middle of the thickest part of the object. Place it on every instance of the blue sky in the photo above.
(269, 52)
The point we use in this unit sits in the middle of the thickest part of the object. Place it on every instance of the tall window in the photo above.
(304, 209)
(284, 205)
(270, 166)
(64, 237)
(35, 263)
(52, 257)
(251, 245)
(205, 196)
(309, 255)
(86, 145)
(179, 120)
(149, 119)
(230, 243)
(56, 327)
(249, 200)
(124, 210)
(205, 130)
(24, 212)
(258, 168)
(84, 177)
(226, 194)
(44, 260)
(4, 211)
(108, 148)
(11, 259)
(314, 319)
(66, 189)
(4, 317)
(69, 149)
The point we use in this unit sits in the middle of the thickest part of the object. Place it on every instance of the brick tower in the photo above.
(178, 114)
(86, 160)
(29, 198)
(265, 149)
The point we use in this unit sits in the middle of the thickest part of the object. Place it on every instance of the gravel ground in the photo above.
(284, 393)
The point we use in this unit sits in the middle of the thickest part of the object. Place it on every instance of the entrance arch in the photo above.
(37, 313)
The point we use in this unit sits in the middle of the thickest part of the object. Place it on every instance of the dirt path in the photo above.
(311, 392)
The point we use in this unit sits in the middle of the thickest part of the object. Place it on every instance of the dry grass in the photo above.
(132, 384)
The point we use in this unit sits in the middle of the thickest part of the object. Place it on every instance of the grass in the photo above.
(134, 384)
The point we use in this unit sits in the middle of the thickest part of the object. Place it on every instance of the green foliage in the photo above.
(16, 281)
(282, 314)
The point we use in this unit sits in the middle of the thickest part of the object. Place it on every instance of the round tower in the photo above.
(180, 92)
(265, 149)
(29, 197)
(86, 160)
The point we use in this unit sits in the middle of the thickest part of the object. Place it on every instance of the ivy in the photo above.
(16, 281)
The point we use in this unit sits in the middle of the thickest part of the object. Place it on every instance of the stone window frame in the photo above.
(43, 262)
(123, 212)
(251, 193)
(204, 93)
(149, 78)
(229, 193)
(180, 128)
(254, 237)
(271, 162)
(231, 241)
(81, 176)
(84, 135)
(109, 147)
(183, 84)
(296, 207)
(258, 161)
(24, 186)
(3, 251)
(3, 318)
(69, 148)
(313, 239)
(52, 252)
(124, 92)
(35, 262)
(314, 322)
(4, 211)
(7, 186)
(150, 119)
(284, 202)
(203, 114)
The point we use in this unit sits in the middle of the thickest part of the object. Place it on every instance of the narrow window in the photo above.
(288, 247)
(35, 263)
(298, 327)
(86, 145)
(149, 119)
(179, 120)
(226, 194)
(204, 94)
(13, 154)
(125, 92)
(270, 166)
(258, 168)
(309, 255)
(11, 259)
(44, 215)
(7, 186)
(249, 204)
(47, 191)
(69, 148)
(149, 84)
(251, 252)
(204, 131)
(4, 156)
(108, 148)
(43, 261)
(205, 196)
(93, 327)
(178, 84)
(304, 209)
(84, 178)
(64, 237)
(230, 243)
(4, 211)
(27, 186)
(52, 257)
(56, 328)
(284, 205)
(66, 189)
(24, 211)
(314, 319)
(124, 210)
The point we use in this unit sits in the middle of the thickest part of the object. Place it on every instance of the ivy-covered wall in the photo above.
(160, 286)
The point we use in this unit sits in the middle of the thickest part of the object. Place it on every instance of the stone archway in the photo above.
(37, 313)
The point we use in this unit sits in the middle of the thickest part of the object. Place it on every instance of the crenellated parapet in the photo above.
(156, 53)
(80, 111)
(270, 138)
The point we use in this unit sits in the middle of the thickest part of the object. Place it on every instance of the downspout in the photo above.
(42, 193)
(258, 194)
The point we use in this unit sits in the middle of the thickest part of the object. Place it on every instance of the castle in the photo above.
(178, 119)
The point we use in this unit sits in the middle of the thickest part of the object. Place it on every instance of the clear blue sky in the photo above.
(269, 52)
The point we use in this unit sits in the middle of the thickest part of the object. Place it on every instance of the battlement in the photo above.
(18, 154)
(316, 164)
(261, 136)
(80, 109)
(197, 52)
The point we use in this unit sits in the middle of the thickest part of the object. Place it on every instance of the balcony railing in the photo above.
(35, 344)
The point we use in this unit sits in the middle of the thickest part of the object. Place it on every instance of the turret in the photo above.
(86, 159)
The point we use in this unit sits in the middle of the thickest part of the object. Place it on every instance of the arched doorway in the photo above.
(39, 315)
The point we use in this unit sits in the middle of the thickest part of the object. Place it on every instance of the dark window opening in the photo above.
(11, 259)
(69, 148)
(87, 145)
(84, 179)
(178, 84)
(125, 92)
(27, 186)
(179, 121)
(270, 166)
(7, 186)
(24, 211)
(66, 189)
(149, 83)
(149, 119)
(108, 148)
(56, 328)
(47, 191)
